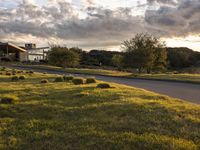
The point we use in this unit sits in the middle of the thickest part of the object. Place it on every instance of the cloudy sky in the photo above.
(101, 24)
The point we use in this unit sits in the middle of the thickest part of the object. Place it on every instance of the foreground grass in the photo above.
(60, 116)
(190, 78)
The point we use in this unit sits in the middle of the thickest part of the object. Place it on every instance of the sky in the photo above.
(99, 24)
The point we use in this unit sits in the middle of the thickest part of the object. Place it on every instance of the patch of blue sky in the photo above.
(8, 4)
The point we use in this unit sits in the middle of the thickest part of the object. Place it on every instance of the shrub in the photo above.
(8, 73)
(78, 81)
(15, 78)
(59, 79)
(22, 77)
(63, 57)
(20, 71)
(175, 72)
(3, 69)
(30, 72)
(90, 80)
(14, 72)
(44, 81)
(68, 78)
(103, 85)
(9, 99)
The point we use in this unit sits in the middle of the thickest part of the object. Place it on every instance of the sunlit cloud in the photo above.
(99, 24)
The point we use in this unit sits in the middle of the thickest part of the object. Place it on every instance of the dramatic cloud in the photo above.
(171, 2)
(61, 21)
(181, 20)
(90, 25)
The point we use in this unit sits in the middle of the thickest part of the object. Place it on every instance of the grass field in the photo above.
(190, 78)
(58, 116)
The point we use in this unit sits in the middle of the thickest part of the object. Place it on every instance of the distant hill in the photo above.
(181, 57)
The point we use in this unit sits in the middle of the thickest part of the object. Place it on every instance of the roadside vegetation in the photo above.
(62, 115)
(63, 57)
(168, 76)
(143, 56)
(143, 53)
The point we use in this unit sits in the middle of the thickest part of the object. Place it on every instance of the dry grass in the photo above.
(66, 116)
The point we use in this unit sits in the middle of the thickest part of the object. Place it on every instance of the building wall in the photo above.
(30, 46)
(23, 56)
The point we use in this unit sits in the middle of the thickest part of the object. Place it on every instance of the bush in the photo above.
(90, 80)
(44, 81)
(103, 85)
(78, 81)
(22, 77)
(8, 73)
(9, 99)
(59, 79)
(3, 69)
(175, 72)
(15, 78)
(14, 72)
(20, 71)
(68, 78)
(63, 57)
(30, 72)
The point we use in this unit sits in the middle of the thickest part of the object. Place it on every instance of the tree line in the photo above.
(144, 53)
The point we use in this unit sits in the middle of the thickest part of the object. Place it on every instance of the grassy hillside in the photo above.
(191, 78)
(61, 115)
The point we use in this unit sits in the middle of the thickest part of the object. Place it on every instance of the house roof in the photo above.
(11, 47)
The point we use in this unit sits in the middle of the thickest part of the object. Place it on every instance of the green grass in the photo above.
(58, 116)
(81, 70)
(190, 78)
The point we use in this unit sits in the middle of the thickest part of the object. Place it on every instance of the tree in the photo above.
(63, 57)
(160, 62)
(117, 60)
(182, 57)
(140, 51)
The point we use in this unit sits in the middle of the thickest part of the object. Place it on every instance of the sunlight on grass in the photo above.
(191, 78)
(61, 115)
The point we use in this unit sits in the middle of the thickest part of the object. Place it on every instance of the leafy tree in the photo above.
(140, 51)
(160, 62)
(63, 57)
(117, 60)
(181, 57)
(97, 57)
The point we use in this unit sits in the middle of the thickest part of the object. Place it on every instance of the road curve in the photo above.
(185, 91)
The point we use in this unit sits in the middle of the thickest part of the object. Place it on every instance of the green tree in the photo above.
(117, 60)
(63, 57)
(182, 57)
(160, 62)
(140, 51)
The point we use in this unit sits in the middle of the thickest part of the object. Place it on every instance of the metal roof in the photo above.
(11, 47)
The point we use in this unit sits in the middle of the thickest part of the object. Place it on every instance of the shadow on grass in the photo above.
(62, 125)
(62, 117)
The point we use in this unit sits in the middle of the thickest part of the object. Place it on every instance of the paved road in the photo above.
(186, 91)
